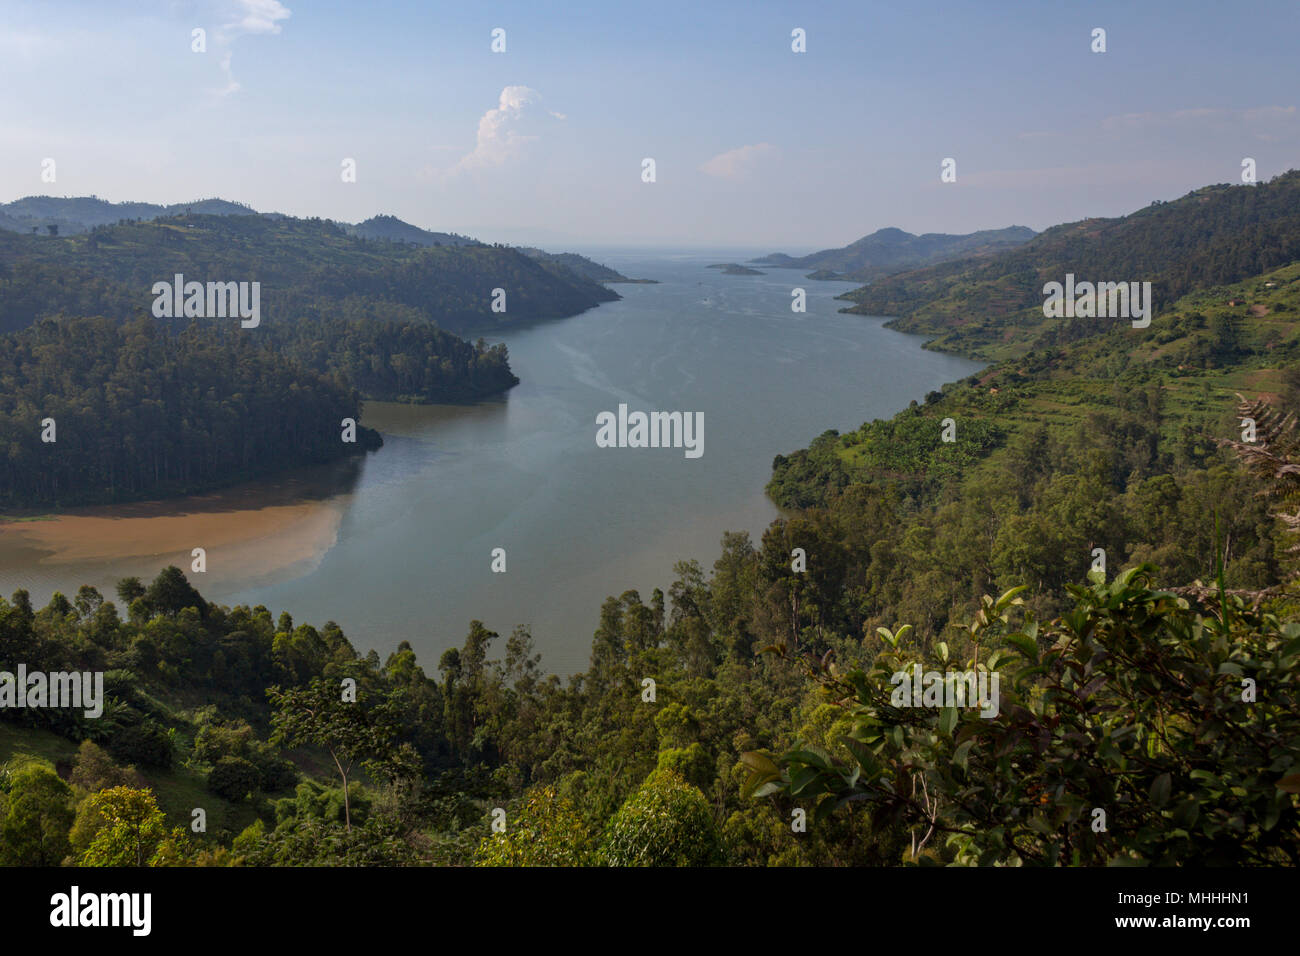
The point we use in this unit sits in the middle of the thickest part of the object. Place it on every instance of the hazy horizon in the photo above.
(628, 246)
(755, 145)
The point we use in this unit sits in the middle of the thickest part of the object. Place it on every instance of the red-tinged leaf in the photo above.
(1290, 783)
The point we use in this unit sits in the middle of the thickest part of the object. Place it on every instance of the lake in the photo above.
(399, 546)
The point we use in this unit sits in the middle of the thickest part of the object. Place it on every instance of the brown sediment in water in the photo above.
(249, 533)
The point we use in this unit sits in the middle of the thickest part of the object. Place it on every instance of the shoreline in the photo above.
(250, 534)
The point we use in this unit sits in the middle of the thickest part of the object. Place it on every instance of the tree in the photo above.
(171, 592)
(666, 822)
(126, 828)
(94, 770)
(88, 601)
(543, 830)
(318, 716)
(34, 830)
(144, 743)
(233, 778)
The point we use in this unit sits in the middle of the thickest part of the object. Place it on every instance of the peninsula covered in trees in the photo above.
(93, 411)
(373, 312)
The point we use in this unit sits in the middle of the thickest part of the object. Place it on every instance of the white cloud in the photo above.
(506, 130)
(737, 163)
(245, 18)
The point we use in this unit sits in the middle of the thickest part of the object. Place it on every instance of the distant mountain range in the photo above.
(75, 215)
(887, 251)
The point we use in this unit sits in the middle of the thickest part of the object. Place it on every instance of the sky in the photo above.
(754, 145)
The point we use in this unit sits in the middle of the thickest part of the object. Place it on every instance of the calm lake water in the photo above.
(413, 555)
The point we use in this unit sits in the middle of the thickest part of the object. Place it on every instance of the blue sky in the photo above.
(754, 145)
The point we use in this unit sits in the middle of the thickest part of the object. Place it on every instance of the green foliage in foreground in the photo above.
(1134, 730)
(37, 816)
(545, 830)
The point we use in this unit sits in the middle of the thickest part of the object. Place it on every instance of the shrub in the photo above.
(545, 830)
(233, 778)
(666, 822)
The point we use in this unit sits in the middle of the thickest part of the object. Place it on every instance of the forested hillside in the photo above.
(993, 307)
(393, 229)
(70, 215)
(303, 265)
(372, 318)
(393, 360)
(152, 409)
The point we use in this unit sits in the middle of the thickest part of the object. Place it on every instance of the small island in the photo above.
(735, 269)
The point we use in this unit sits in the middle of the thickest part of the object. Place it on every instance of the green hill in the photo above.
(395, 230)
(992, 307)
(577, 264)
(341, 318)
(76, 214)
(305, 266)
(891, 250)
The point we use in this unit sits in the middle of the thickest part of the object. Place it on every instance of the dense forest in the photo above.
(96, 411)
(303, 265)
(347, 318)
(149, 409)
(391, 360)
